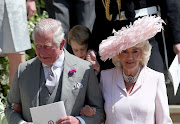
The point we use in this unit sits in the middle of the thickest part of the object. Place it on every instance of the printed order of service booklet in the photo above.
(48, 114)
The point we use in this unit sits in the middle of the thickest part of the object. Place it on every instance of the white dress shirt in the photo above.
(57, 69)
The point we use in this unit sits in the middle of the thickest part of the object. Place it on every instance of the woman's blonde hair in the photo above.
(146, 50)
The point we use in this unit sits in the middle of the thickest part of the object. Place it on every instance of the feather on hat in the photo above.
(142, 29)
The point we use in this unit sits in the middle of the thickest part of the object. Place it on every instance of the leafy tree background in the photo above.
(4, 63)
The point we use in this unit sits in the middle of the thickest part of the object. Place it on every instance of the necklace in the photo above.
(131, 79)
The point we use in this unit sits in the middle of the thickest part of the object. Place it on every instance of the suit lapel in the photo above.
(68, 83)
(140, 81)
(43, 91)
(119, 79)
(35, 74)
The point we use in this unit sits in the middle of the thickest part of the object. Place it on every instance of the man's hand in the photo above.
(31, 8)
(68, 120)
(88, 111)
(16, 107)
(176, 49)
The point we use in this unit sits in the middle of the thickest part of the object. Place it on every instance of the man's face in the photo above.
(79, 50)
(46, 49)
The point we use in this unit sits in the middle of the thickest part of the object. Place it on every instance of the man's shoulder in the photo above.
(76, 60)
(29, 63)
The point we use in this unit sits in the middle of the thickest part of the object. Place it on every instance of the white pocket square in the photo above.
(78, 86)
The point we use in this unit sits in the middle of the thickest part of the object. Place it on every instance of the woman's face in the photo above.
(130, 58)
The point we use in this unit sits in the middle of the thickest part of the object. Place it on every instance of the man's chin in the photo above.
(46, 62)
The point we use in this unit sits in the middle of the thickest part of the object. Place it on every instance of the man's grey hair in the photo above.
(49, 25)
(146, 52)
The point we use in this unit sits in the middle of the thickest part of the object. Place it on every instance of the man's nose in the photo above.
(42, 51)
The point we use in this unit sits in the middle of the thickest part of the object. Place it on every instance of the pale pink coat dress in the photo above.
(146, 103)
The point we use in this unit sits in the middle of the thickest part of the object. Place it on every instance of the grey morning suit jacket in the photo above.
(26, 84)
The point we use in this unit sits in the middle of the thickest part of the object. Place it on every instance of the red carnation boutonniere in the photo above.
(72, 71)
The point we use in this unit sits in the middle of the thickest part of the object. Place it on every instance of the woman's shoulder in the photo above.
(153, 72)
(107, 78)
(107, 71)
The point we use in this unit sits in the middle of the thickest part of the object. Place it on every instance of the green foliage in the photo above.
(31, 52)
(4, 64)
(35, 19)
(4, 79)
(39, 14)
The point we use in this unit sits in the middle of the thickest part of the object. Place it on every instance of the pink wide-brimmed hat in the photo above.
(142, 29)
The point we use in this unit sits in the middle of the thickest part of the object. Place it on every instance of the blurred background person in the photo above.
(14, 34)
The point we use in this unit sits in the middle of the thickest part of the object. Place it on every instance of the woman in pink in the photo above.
(133, 93)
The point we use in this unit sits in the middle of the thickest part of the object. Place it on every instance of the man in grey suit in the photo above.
(74, 80)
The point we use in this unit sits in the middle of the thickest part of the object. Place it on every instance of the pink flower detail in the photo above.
(71, 71)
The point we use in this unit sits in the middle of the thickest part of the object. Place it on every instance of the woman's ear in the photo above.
(62, 44)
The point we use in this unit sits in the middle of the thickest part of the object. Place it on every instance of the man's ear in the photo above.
(62, 44)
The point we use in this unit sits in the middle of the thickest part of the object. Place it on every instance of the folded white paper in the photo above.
(48, 114)
(174, 69)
